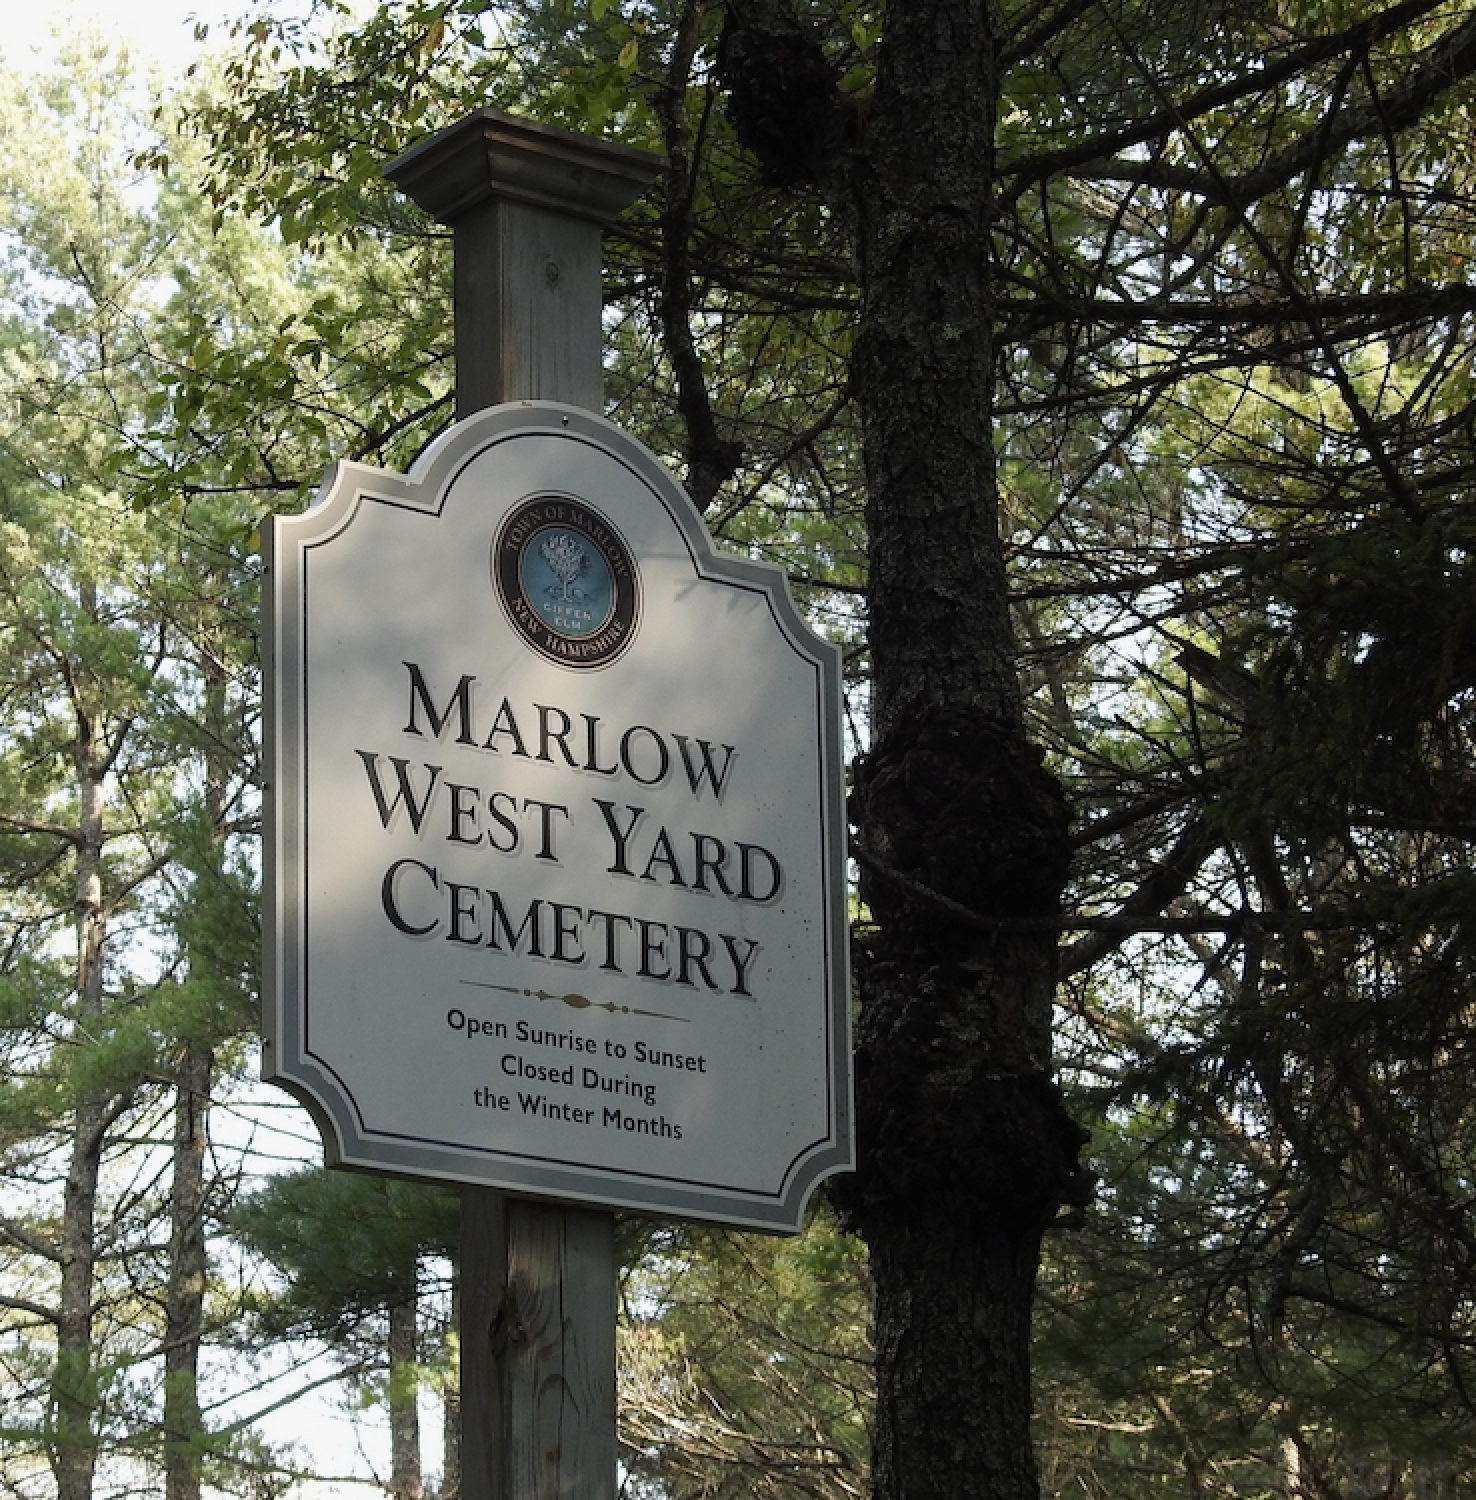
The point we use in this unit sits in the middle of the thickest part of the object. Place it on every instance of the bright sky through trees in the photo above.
(162, 31)
(1217, 302)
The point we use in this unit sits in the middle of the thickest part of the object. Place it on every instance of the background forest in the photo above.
(1233, 305)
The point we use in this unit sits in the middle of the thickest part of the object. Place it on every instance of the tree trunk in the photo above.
(966, 1153)
(73, 1439)
(451, 1409)
(73, 1386)
(185, 1291)
(1289, 1455)
(405, 1475)
(184, 1297)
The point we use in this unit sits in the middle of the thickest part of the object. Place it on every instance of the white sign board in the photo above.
(556, 844)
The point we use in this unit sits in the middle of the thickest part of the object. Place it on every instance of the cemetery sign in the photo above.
(556, 896)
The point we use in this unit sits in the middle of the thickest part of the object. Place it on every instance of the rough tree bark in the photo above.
(967, 1154)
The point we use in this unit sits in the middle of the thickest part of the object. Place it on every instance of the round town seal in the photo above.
(567, 580)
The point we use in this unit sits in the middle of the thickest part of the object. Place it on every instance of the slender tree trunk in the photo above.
(188, 1266)
(405, 1472)
(73, 1385)
(73, 1392)
(1289, 1455)
(185, 1291)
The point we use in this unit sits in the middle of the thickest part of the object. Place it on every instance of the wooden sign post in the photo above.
(526, 204)
(555, 825)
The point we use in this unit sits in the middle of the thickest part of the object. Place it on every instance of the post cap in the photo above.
(490, 154)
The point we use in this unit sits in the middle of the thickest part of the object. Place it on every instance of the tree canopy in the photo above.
(1100, 373)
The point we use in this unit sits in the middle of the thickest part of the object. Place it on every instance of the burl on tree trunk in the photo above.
(966, 1152)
